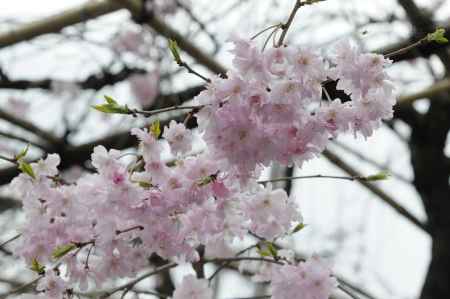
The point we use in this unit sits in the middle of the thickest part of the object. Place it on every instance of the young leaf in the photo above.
(155, 129)
(299, 227)
(26, 168)
(145, 185)
(205, 180)
(273, 251)
(378, 177)
(37, 267)
(173, 47)
(112, 108)
(110, 100)
(263, 253)
(23, 153)
(438, 36)
(62, 250)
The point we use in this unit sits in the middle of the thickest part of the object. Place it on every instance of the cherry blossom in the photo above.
(268, 109)
(52, 285)
(193, 288)
(274, 98)
(307, 280)
(179, 138)
(145, 87)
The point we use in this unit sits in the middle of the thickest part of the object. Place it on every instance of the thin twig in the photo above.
(22, 139)
(21, 288)
(132, 283)
(285, 26)
(30, 127)
(266, 29)
(153, 293)
(333, 158)
(315, 176)
(354, 288)
(344, 289)
(10, 240)
(221, 267)
(192, 71)
(253, 297)
(244, 258)
(4, 158)
(163, 110)
(410, 47)
(371, 161)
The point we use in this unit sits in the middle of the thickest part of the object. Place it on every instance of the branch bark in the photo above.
(55, 23)
(431, 168)
(333, 158)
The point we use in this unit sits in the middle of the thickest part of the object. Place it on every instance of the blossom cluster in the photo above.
(311, 279)
(110, 222)
(268, 109)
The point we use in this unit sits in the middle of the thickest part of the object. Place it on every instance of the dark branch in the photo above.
(94, 81)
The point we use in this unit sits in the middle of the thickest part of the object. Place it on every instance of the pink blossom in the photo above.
(178, 137)
(268, 110)
(193, 288)
(271, 213)
(307, 280)
(129, 41)
(18, 106)
(145, 87)
(51, 284)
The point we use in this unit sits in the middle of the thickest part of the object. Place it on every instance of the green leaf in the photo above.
(112, 108)
(299, 227)
(26, 168)
(110, 100)
(378, 177)
(263, 253)
(205, 181)
(173, 46)
(23, 153)
(273, 251)
(155, 129)
(438, 36)
(62, 250)
(145, 185)
(267, 249)
(37, 267)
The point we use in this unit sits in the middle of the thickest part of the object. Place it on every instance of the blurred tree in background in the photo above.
(54, 67)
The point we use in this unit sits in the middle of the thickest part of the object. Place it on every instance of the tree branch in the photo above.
(333, 158)
(56, 23)
(94, 81)
(30, 127)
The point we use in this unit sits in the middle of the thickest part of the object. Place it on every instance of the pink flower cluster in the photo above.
(270, 107)
(193, 288)
(307, 280)
(145, 87)
(114, 219)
